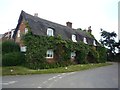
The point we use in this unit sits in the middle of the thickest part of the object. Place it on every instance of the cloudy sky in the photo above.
(82, 13)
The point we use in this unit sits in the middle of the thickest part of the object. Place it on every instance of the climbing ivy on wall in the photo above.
(37, 47)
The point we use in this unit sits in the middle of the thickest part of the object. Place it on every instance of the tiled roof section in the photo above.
(39, 27)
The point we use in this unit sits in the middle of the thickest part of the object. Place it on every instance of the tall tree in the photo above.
(108, 39)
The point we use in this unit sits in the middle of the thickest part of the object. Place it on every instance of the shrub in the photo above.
(9, 46)
(102, 54)
(12, 59)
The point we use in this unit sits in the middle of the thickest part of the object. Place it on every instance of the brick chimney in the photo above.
(89, 29)
(69, 24)
(36, 14)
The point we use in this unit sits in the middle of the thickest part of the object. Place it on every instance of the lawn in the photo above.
(20, 70)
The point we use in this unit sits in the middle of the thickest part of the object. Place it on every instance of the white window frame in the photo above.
(49, 53)
(23, 48)
(94, 43)
(50, 32)
(12, 32)
(26, 30)
(18, 33)
(74, 38)
(85, 40)
(73, 55)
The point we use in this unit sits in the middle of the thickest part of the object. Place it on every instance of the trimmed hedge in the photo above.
(12, 59)
(9, 46)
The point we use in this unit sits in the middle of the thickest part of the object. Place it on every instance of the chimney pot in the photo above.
(36, 14)
(89, 29)
(69, 24)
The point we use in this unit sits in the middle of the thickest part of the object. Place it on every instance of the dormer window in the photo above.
(50, 32)
(49, 53)
(26, 30)
(85, 40)
(74, 38)
(94, 43)
(18, 33)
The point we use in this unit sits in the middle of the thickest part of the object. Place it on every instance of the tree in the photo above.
(117, 45)
(108, 40)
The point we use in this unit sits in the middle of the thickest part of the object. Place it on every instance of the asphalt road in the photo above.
(102, 77)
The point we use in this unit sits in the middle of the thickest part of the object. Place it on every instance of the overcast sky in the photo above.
(82, 13)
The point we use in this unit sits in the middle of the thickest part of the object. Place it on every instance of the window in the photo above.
(18, 33)
(23, 48)
(74, 38)
(73, 54)
(85, 40)
(50, 32)
(94, 43)
(26, 30)
(49, 54)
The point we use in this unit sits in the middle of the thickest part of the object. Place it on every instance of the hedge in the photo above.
(13, 59)
(9, 46)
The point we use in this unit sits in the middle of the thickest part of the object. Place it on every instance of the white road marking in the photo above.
(10, 82)
(50, 78)
(39, 87)
(60, 77)
(45, 82)
(4, 83)
(54, 76)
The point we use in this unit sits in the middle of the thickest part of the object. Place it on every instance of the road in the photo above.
(102, 77)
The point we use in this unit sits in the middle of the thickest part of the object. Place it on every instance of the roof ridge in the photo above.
(47, 20)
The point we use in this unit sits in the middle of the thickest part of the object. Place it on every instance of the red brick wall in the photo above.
(21, 28)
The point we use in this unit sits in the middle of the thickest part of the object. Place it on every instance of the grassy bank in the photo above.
(19, 70)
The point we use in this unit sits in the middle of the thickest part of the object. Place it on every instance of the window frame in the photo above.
(50, 32)
(23, 48)
(94, 43)
(73, 55)
(74, 38)
(49, 53)
(85, 40)
(18, 34)
(26, 30)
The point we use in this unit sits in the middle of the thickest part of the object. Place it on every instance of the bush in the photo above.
(12, 59)
(102, 54)
(9, 46)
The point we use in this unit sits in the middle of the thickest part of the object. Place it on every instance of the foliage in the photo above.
(108, 40)
(102, 54)
(9, 46)
(37, 47)
(12, 59)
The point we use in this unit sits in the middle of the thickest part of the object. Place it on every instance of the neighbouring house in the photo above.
(8, 35)
(1, 35)
(44, 27)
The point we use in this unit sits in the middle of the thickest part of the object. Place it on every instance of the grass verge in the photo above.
(19, 70)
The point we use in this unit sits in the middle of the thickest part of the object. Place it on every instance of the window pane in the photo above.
(23, 49)
(26, 30)
(18, 33)
(85, 40)
(50, 32)
(94, 43)
(49, 54)
(73, 54)
(74, 38)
